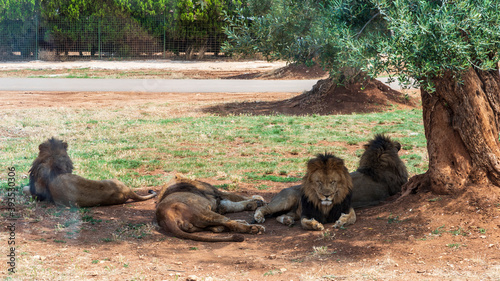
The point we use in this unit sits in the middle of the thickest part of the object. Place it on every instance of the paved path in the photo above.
(159, 85)
(154, 85)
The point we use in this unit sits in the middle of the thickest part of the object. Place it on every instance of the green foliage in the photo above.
(16, 10)
(416, 40)
(17, 27)
(81, 25)
(338, 34)
(430, 38)
(278, 29)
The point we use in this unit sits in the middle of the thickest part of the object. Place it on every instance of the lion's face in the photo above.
(326, 186)
(327, 181)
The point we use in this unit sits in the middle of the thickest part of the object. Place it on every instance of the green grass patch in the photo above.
(146, 149)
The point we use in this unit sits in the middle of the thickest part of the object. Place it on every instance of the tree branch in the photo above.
(366, 24)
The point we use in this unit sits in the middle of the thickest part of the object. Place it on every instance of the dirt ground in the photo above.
(421, 236)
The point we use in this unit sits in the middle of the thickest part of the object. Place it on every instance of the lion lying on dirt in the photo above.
(187, 206)
(51, 179)
(380, 174)
(323, 197)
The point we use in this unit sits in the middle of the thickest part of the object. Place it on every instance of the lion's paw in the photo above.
(312, 224)
(286, 220)
(341, 221)
(318, 226)
(338, 224)
(252, 205)
(222, 209)
(258, 197)
(259, 217)
(257, 229)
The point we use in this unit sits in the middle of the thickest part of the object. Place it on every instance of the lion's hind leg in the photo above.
(189, 227)
(218, 229)
(217, 220)
(228, 206)
(346, 219)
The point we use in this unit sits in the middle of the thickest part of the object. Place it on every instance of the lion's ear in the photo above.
(397, 145)
(312, 166)
(42, 146)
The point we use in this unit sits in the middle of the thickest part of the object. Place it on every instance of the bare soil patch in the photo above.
(421, 236)
(326, 98)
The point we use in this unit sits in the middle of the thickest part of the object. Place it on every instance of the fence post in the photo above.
(36, 37)
(164, 34)
(99, 37)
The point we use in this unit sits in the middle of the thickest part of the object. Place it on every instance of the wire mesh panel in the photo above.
(110, 36)
(18, 39)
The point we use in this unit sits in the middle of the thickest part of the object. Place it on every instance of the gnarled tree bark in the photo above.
(461, 121)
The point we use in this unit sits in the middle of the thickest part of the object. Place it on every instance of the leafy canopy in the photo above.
(415, 39)
(430, 38)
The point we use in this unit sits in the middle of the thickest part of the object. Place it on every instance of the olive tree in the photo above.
(450, 50)
(447, 48)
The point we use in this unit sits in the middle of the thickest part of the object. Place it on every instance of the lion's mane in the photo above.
(380, 174)
(52, 161)
(312, 206)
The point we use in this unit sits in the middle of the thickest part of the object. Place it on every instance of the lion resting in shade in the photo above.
(51, 179)
(380, 174)
(324, 197)
(186, 206)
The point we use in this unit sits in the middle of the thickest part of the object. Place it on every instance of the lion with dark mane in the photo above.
(380, 174)
(323, 197)
(51, 179)
(186, 206)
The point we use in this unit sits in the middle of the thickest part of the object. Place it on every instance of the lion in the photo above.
(380, 174)
(186, 206)
(323, 197)
(51, 179)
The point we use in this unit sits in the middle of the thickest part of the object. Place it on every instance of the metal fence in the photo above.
(110, 37)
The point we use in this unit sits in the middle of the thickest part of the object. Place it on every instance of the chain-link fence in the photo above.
(105, 37)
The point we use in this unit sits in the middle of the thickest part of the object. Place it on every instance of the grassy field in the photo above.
(138, 145)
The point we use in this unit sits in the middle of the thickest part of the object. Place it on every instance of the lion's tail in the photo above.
(172, 226)
(137, 197)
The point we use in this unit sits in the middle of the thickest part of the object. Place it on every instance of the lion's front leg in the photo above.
(311, 224)
(346, 219)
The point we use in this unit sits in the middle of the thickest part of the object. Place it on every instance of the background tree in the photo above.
(116, 27)
(309, 32)
(447, 48)
(17, 26)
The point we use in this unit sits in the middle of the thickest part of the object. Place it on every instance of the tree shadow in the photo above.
(325, 98)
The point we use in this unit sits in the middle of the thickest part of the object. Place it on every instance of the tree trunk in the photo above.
(461, 121)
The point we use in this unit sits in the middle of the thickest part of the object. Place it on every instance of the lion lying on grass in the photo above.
(51, 179)
(380, 174)
(323, 197)
(187, 206)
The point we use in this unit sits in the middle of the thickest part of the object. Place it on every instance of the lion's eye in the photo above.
(333, 182)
